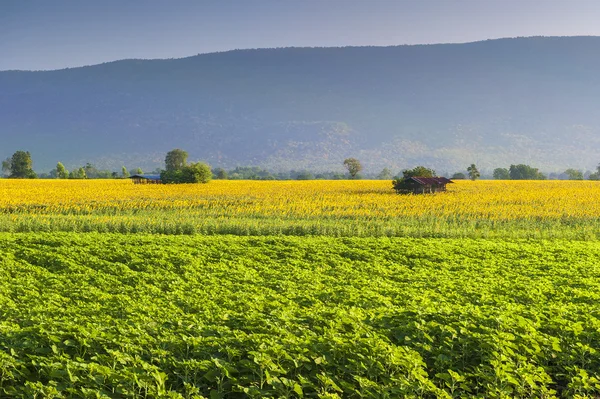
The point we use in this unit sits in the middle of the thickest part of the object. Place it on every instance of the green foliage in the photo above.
(124, 172)
(78, 174)
(419, 171)
(353, 166)
(178, 171)
(473, 172)
(574, 174)
(61, 171)
(196, 173)
(21, 166)
(176, 160)
(6, 166)
(193, 173)
(525, 172)
(220, 174)
(305, 175)
(103, 315)
(501, 174)
(385, 174)
(596, 174)
(250, 173)
(458, 176)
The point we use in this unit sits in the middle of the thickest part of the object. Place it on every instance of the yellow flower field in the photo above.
(346, 205)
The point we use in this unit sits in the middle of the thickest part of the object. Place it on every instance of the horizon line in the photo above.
(297, 47)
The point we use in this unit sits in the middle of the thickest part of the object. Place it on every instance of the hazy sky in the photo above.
(50, 34)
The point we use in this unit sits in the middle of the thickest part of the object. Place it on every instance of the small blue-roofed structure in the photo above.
(146, 179)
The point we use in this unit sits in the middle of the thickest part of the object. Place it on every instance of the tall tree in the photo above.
(176, 160)
(124, 172)
(473, 172)
(61, 171)
(501, 174)
(21, 166)
(353, 166)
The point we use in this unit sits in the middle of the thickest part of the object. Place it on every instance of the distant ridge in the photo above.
(522, 100)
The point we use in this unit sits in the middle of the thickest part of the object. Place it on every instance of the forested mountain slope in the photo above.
(525, 100)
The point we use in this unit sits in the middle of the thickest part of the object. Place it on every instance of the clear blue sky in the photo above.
(50, 34)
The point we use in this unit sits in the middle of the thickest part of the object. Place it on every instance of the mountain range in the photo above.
(494, 103)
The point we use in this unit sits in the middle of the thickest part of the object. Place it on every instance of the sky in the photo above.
(54, 34)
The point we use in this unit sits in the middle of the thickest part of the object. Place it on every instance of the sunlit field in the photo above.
(518, 209)
(314, 289)
(155, 316)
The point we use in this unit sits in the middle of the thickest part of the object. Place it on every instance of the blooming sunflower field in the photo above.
(540, 209)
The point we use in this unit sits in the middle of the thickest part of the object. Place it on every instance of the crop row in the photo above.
(109, 315)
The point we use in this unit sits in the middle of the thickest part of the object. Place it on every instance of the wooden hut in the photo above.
(145, 179)
(421, 185)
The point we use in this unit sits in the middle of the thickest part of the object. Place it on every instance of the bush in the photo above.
(193, 173)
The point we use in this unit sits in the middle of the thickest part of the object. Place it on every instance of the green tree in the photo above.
(136, 171)
(61, 171)
(419, 171)
(304, 175)
(6, 167)
(78, 174)
(21, 166)
(524, 172)
(458, 176)
(124, 172)
(176, 160)
(385, 174)
(596, 174)
(193, 173)
(198, 172)
(91, 172)
(220, 173)
(501, 174)
(473, 172)
(574, 174)
(353, 166)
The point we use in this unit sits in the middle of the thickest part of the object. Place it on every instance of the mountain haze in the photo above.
(497, 102)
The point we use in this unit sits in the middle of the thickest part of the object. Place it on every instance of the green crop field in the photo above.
(113, 315)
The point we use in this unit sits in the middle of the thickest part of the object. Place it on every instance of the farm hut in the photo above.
(145, 179)
(422, 185)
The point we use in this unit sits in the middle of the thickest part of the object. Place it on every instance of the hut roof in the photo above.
(148, 177)
(430, 180)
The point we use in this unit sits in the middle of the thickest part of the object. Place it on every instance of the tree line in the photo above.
(177, 170)
(20, 166)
